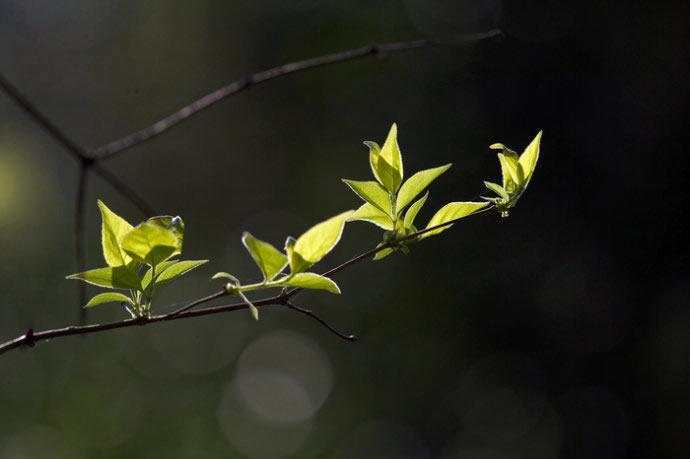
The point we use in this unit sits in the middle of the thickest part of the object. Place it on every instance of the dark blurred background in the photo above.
(560, 332)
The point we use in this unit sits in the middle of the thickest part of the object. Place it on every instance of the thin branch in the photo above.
(74, 150)
(125, 190)
(71, 147)
(79, 221)
(335, 331)
(30, 337)
(111, 149)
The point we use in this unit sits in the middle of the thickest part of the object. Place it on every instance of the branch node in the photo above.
(29, 338)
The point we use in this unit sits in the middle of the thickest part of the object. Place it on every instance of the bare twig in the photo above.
(335, 331)
(111, 149)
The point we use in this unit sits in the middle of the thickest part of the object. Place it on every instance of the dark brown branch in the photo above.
(79, 221)
(136, 138)
(74, 150)
(335, 331)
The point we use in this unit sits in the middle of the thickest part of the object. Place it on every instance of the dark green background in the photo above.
(559, 332)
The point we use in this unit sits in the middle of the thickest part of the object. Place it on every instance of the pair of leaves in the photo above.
(385, 199)
(300, 254)
(516, 172)
(126, 249)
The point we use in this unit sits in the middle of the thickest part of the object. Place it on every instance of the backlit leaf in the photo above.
(311, 281)
(369, 213)
(412, 212)
(316, 242)
(112, 277)
(528, 159)
(390, 153)
(372, 193)
(178, 269)
(270, 260)
(146, 280)
(414, 185)
(113, 229)
(151, 242)
(450, 212)
(108, 297)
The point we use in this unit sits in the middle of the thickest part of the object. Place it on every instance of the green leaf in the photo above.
(311, 281)
(178, 269)
(414, 185)
(372, 193)
(384, 173)
(113, 229)
(449, 212)
(160, 267)
(390, 153)
(108, 297)
(528, 159)
(414, 210)
(252, 309)
(371, 214)
(381, 254)
(270, 260)
(316, 242)
(111, 277)
(511, 171)
(498, 189)
(151, 242)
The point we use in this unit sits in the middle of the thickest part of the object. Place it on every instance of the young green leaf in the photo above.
(252, 309)
(498, 189)
(177, 269)
(414, 210)
(310, 281)
(384, 173)
(108, 297)
(160, 267)
(511, 172)
(151, 243)
(381, 254)
(371, 214)
(111, 277)
(316, 242)
(414, 185)
(372, 193)
(449, 212)
(270, 260)
(113, 229)
(528, 159)
(390, 153)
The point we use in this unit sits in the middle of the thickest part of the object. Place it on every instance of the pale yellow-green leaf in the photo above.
(178, 269)
(381, 254)
(390, 153)
(373, 193)
(449, 212)
(383, 172)
(317, 241)
(412, 212)
(270, 260)
(511, 171)
(120, 277)
(498, 189)
(416, 184)
(113, 229)
(528, 159)
(369, 213)
(146, 280)
(311, 281)
(252, 309)
(108, 297)
(151, 243)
